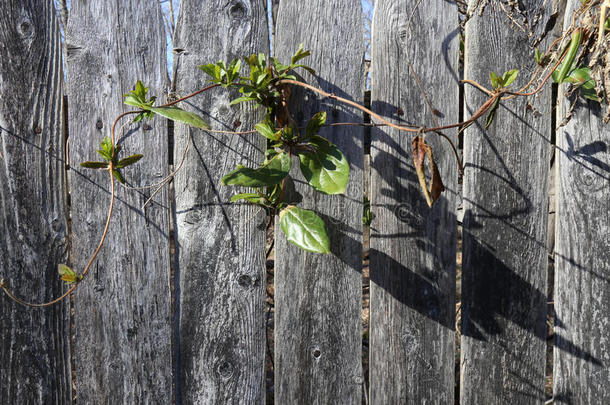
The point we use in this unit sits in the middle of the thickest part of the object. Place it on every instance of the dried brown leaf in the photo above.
(420, 151)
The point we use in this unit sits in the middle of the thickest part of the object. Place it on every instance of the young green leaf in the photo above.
(538, 56)
(209, 69)
(117, 175)
(128, 161)
(264, 128)
(279, 67)
(496, 81)
(298, 55)
(130, 99)
(67, 274)
(241, 100)
(180, 115)
(509, 77)
(275, 168)
(315, 123)
(106, 149)
(307, 68)
(253, 198)
(325, 168)
(304, 229)
(95, 165)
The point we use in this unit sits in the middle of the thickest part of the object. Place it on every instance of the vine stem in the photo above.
(87, 268)
(99, 245)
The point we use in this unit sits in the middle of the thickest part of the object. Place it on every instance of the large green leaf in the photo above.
(304, 229)
(275, 168)
(325, 168)
(180, 115)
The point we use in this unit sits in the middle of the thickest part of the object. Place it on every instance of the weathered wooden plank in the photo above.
(505, 221)
(122, 310)
(34, 358)
(220, 246)
(318, 297)
(412, 246)
(582, 259)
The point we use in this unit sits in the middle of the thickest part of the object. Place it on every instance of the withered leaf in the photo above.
(420, 151)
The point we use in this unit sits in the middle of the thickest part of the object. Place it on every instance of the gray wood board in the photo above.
(122, 309)
(582, 259)
(412, 246)
(318, 297)
(34, 358)
(505, 216)
(220, 246)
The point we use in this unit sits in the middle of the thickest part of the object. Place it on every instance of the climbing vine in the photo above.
(579, 58)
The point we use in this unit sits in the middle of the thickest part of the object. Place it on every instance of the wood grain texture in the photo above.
(505, 216)
(412, 246)
(122, 321)
(318, 297)
(220, 246)
(582, 260)
(34, 359)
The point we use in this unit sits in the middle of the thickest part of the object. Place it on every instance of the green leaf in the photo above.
(315, 123)
(130, 99)
(589, 93)
(94, 165)
(140, 89)
(492, 112)
(67, 274)
(280, 67)
(253, 198)
(581, 76)
(304, 229)
(128, 161)
(299, 54)
(538, 56)
(568, 60)
(310, 70)
(555, 76)
(241, 100)
(264, 128)
(106, 145)
(496, 81)
(180, 115)
(325, 169)
(273, 170)
(117, 175)
(106, 149)
(509, 77)
(210, 69)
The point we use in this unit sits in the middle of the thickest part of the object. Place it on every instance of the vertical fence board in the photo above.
(122, 310)
(412, 246)
(34, 363)
(505, 216)
(318, 297)
(220, 247)
(582, 259)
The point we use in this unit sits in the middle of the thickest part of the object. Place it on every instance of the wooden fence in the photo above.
(164, 318)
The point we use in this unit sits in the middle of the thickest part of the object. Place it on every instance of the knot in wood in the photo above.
(225, 370)
(237, 10)
(25, 28)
